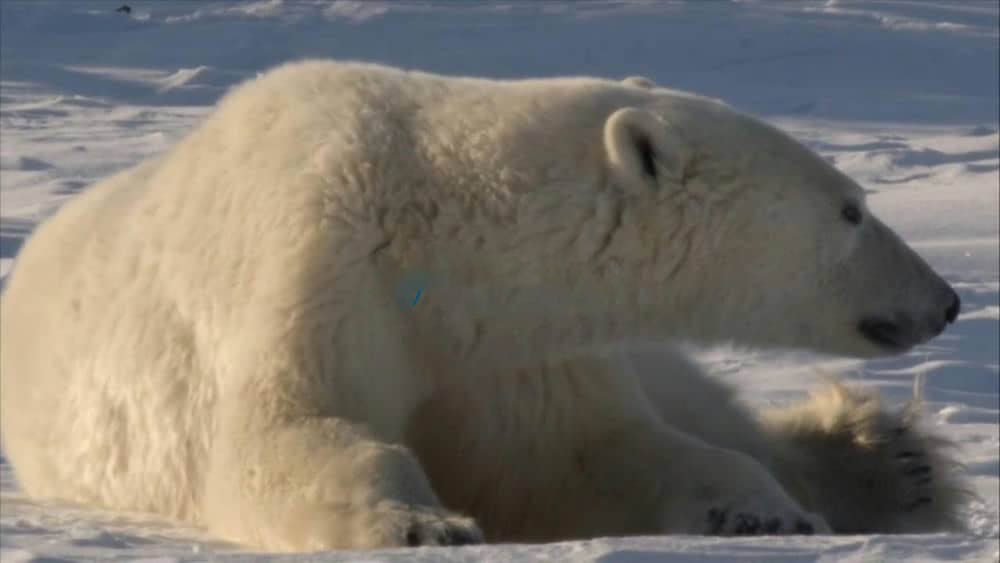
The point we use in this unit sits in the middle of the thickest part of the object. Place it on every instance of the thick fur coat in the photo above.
(216, 335)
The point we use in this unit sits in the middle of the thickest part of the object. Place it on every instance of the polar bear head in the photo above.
(748, 236)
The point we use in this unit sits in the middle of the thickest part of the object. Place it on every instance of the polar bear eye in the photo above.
(851, 213)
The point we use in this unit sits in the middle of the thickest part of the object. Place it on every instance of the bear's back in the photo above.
(127, 300)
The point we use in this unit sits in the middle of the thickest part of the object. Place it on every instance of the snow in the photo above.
(900, 94)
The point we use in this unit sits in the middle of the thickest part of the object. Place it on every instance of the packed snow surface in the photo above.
(901, 95)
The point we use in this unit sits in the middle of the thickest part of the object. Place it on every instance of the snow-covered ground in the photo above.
(900, 94)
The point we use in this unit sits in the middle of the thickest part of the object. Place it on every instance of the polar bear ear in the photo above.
(642, 148)
(639, 82)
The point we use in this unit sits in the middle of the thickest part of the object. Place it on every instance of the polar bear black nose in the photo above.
(951, 313)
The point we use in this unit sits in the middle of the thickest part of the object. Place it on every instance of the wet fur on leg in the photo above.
(865, 468)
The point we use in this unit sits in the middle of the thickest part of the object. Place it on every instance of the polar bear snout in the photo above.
(951, 313)
(903, 301)
(903, 331)
(943, 313)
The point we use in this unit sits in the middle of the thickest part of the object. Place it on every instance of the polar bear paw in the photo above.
(747, 520)
(439, 528)
(926, 492)
(400, 525)
(872, 470)
(742, 497)
(916, 476)
(390, 524)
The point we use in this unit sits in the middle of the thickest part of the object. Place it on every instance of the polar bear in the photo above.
(214, 335)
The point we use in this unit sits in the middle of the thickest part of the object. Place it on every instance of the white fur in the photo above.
(215, 336)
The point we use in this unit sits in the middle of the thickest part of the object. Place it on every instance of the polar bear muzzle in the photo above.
(903, 332)
(897, 300)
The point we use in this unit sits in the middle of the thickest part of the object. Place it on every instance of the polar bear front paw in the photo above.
(736, 495)
(745, 522)
(438, 528)
(389, 525)
(399, 525)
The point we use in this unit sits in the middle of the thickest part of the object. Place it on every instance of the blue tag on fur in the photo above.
(411, 289)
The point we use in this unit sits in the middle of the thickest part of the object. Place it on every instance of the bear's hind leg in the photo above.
(865, 468)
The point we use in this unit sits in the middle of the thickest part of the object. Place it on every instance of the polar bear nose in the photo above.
(951, 313)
